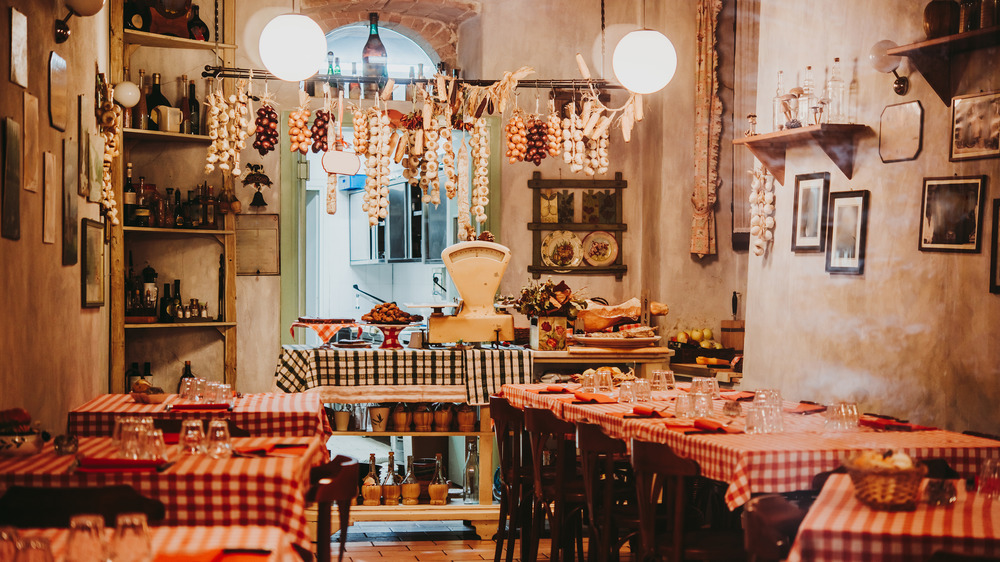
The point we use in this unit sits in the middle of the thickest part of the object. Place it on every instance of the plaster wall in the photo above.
(914, 335)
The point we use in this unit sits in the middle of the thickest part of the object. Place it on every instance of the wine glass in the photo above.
(35, 549)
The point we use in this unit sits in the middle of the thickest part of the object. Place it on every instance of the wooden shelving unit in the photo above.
(933, 57)
(837, 140)
(143, 135)
(163, 326)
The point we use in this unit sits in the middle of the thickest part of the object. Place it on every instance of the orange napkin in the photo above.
(650, 412)
(171, 438)
(214, 555)
(806, 408)
(594, 398)
(555, 388)
(891, 425)
(738, 396)
(705, 424)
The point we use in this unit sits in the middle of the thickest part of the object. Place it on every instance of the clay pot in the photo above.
(442, 417)
(380, 417)
(941, 18)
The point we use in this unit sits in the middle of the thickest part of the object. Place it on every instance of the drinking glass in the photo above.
(588, 383)
(755, 419)
(130, 446)
(226, 394)
(605, 381)
(842, 416)
(774, 420)
(713, 387)
(698, 385)
(35, 549)
(643, 390)
(989, 478)
(188, 388)
(626, 392)
(192, 437)
(684, 406)
(732, 408)
(211, 395)
(86, 539)
(121, 423)
(662, 380)
(702, 403)
(155, 447)
(131, 542)
(218, 439)
(199, 390)
(8, 543)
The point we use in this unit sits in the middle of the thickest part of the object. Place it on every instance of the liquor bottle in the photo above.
(194, 110)
(371, 490)
(195, 211)
(853, 96)
(197, 29)
(777, 109)
(179, 221)
(410, 486)
(137, 15)
(169, 218)
(131, 374)
(373, 59)
(391, 483)
(835, 93)
(175, 306)
(222, 288)
(147, 372)
(470, 490)
(186, 374)
(155, 99)
(140, 113)
(129, 198)
(165, 301)
(808, 98)
(142, 212)
(150, 296)
(185, 106)
(438, 488)
(211, 205)
(130, 291)
(354, 90)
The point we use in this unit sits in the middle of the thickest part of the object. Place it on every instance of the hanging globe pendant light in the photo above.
(292, 47)
(644, 61)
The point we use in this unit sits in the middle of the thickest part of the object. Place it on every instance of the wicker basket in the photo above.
(886, 489)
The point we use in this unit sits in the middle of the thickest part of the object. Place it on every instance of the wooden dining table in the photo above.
(839, 528)
(190, 544)
(196, 490)
(756, 463)
(264, 414)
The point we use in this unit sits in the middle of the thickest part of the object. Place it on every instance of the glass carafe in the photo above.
(438, 488)
(391, 483)
(411, 488)
(470, 490)
(371, 490)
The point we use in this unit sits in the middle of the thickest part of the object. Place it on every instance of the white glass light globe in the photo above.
(85, 8)
(126, 94)
(644, 61)
(292, 47)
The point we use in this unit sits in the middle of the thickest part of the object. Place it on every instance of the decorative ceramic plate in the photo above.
(624, 343)
(562, 249)
(600, 248)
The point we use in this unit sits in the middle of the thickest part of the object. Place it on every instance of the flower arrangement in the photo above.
(549, 299)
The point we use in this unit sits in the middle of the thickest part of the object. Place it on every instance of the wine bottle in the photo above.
(155, 99)
(195, 212)
(129, 197)
(142, 212)
(374, 62)
(150, 296)
(185, 106)
(131, 374)
(140, 113)
(371, 490)
(470, 490)
(410, 486)
(211, 205)
(147, 372)
(186, 374)
(179, 221)
(169, 216)
(165, 301)
(197, 29)
(137, 15)
(391, 483)
(222, 288)
(438, 488)
(176, 305)
(194, 110)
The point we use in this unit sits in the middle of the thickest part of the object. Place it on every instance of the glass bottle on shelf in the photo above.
(140, 112)
(175, 307)
(129, 197)
(968, 15)
(195, 211)
(155, 99)
(142, 212)
(147, 372)
(778, 110)
(835, 93)
(150, 293)
(371, 490)
(211, 205)
(410, 486)
(131, 374)
(185, 374)
(470, 489)
(185, 107)
(373, 59)
(438, 488)
(354, 90)
(170, 217)
(808, 98)
(391, 483)
(411, 86)
(179, 221)
(165, 301)
(194, 110)
(197, 29)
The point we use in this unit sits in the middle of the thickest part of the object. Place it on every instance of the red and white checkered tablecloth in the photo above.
(267, 414)
(838, 528)
(190, 541)
(762, 463)
(196, 490)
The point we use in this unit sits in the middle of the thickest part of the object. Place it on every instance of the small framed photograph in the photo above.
(92, 263)
(994, 262)
(809, 212)
(975, 126)
(847, 232)
(951, 214)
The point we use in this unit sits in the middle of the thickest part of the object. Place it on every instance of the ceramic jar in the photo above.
(941, 18)
(442, 417)
(402, 417)
(423, 418)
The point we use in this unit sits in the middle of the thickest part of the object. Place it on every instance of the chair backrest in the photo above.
(770, 523)
(544, 427)
(337, 482)
(24, 506)
(659, 472)
(508, 424)
(597, 459)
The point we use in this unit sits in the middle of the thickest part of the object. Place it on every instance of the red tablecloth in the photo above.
(196, 490)
(270, 414)
(839, 528)
(768, 463)
(192, 541)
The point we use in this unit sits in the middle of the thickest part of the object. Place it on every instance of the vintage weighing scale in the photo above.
(476, 268)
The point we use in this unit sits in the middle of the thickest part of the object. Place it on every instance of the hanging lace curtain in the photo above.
(708, 131)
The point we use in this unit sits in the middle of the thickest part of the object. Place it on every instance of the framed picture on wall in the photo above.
(847, 232)
(809, 212)
(975, 126)
(994, 262)
(951, 214)
(92, 263)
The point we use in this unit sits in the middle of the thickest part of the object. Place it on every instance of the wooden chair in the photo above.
(169, 425)
(24, 506)
(558, 488)
(770, 523)
(660, 478)
(611, 508)
(515, 477)
(335, 481)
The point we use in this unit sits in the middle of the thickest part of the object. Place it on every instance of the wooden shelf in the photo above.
(483, 517)
(177, 231)
(146, 39)
(617, 270)
(933, 57)
(838, 141)
(144, 135)
(576, 226)
(158, 325)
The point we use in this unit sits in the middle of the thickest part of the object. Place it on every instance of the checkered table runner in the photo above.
(196, 490)
(839, 528)
(190, 540)
(481, 372)
(265, 414)
(768, 463)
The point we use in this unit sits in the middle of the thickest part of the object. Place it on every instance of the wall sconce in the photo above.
(82, 8)
(883, 62)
